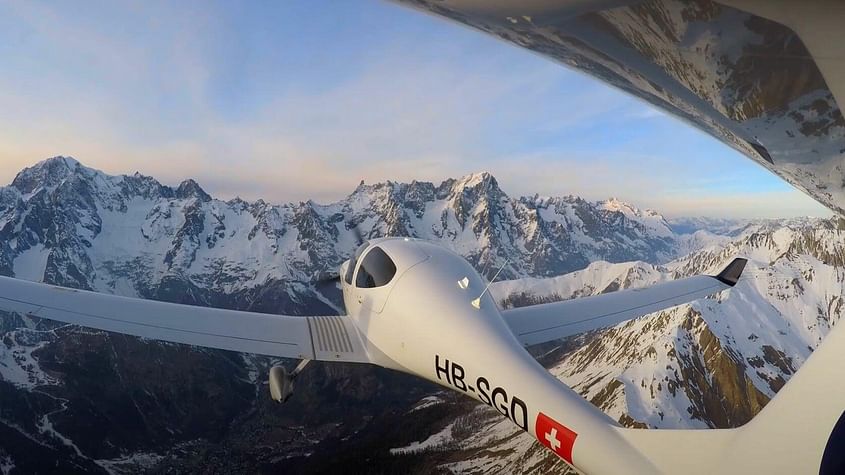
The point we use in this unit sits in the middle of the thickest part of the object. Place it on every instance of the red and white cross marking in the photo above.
(555, 436)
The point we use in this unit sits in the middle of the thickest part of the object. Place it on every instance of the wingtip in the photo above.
(730, 274)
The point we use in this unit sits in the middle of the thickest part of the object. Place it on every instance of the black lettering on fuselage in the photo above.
(503, 407)
(458, 377)
(523, 421)
(483, 386)
(513, 407)
(441, 369)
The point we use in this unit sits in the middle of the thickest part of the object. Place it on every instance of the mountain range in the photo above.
(79, 400)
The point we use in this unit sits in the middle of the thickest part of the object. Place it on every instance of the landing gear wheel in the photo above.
(281, 382)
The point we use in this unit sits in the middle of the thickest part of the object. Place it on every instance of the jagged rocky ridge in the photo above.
(131, 234)
(81, 400)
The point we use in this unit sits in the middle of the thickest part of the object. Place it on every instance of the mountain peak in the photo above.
(648, 217)
(191, 189)
(474, 179)
(49, 172)
(481, 182)
(59, 160)
(615, 204)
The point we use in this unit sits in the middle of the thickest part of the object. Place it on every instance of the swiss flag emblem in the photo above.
(555, 436)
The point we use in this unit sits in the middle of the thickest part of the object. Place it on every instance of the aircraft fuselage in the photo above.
(428, 327)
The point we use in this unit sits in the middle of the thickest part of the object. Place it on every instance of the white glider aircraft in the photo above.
(416, 307)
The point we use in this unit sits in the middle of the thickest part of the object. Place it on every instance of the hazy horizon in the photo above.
(436, 181)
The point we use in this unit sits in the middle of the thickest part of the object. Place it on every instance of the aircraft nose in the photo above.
(458, 282)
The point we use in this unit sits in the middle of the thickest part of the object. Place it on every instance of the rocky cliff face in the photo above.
(77, 400)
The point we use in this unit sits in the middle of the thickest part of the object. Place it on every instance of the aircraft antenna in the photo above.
(477, 302)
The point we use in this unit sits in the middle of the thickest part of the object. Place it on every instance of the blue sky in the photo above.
(293, 100)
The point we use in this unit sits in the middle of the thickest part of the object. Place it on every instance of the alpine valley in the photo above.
(74, 400)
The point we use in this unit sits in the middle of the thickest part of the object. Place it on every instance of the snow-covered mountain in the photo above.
(131, 235)
(732, 227)
(720, 226)
(75, 400)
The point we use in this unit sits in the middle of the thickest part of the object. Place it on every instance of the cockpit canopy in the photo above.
(375, 270)
(353, 262)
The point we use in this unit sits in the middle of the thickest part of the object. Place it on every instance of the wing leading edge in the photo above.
(330, 338)
(551, 321)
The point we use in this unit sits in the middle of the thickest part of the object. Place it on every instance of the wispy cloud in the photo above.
(271, 103)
